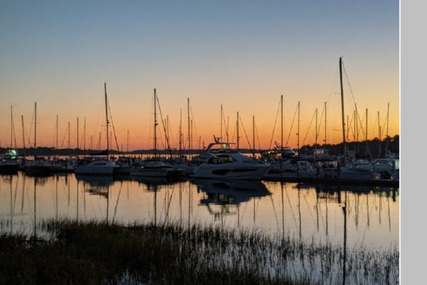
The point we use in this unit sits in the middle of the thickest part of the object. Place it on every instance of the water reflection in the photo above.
(224, 197)
(153, 183)
(96, 180)
(369, 214)
(230, 192)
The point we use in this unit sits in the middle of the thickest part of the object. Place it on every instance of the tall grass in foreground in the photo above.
(100, 253)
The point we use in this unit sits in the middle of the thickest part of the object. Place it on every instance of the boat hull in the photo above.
(245, 172)
(9, 169)
(123, 170)
(95, 170)
(153, 172)
(39, 170)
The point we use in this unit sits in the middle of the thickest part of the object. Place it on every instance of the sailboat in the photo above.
(345, 170)
(154, 167)
(39, 166)
(103, 166)
(9, 162)
(286, 163)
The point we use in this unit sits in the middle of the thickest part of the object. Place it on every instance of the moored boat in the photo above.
(231, 165)
(9, 167)
(97, 167)
(38, 167)
(154, 168)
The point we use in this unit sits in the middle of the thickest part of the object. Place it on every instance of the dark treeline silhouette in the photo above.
(51, 151)
(363, 149)
(370, 149)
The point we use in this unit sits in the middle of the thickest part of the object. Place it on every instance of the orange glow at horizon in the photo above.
(132, 127)
(242, 56)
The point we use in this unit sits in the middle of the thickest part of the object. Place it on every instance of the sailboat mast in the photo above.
(379, 135)
(228, 128)
(237, 126)
(366, 134)
(281, 124)
(35, 126)
(253, 134)
(316, 134)
(298, 125)
(325, 123)
(155, 125)
(387, 138)
(388, 113)
(356, 125)
(221, 122)
(166, 128)
(69, 135)
(342, 114)
(11, 134)
(78, 133)
(56, 136)
(180, 132)
(11, 127)
(106, 118)
(127, 142)
(348, 127)
(191, 134)
(23, 132)
(84, 134)
(188, 124)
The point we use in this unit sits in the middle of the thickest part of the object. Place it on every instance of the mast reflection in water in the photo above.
(346, 215)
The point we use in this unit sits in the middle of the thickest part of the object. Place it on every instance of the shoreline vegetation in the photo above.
(71, 252)
(363, 149)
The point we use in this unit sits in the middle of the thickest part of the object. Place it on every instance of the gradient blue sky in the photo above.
(241, 54)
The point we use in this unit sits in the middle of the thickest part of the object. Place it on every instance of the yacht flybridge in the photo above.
(229, 164)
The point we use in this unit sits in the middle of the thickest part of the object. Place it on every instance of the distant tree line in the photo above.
(51, 151)
(363, 149)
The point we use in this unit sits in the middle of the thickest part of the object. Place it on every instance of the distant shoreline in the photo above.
(363, 149)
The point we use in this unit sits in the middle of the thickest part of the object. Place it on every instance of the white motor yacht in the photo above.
(231, 165)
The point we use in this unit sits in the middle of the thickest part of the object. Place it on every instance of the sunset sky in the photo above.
(242, 55)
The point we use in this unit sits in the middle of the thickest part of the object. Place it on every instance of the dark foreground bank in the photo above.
(99, 253)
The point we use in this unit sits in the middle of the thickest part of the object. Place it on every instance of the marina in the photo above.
(201, 142)
(306, 200)
(222, 159)
(329, 230)
(304, 210)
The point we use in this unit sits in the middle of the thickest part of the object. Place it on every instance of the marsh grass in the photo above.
(99, 253)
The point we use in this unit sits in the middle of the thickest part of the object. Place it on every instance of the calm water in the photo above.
(370, 215)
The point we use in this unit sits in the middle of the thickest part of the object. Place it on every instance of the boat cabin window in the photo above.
(386, 163)
(220, 159)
